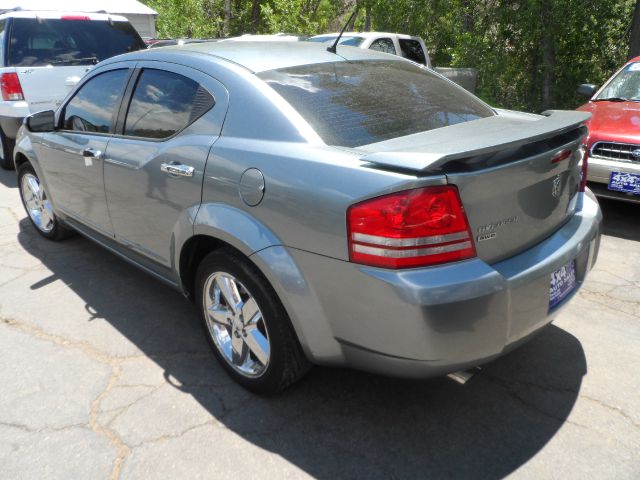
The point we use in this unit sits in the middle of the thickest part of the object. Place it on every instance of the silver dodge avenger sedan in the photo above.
(348, 209)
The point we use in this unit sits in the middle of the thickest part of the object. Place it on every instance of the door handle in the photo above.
(91, 153)
(177, 169)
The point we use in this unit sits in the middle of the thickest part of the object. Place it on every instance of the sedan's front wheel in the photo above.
(246, 324)
(37, 204)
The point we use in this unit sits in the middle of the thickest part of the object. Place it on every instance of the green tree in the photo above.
(530, 54)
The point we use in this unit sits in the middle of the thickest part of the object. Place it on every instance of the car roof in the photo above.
(276, 37)
(366, 35)
(262, 56)
(51, 14)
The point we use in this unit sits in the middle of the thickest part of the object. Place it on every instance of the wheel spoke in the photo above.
(258, 344)
(34, 187)
(250, 312)
(229, 291)
(46, 216)
(239, 350)
(219, 315)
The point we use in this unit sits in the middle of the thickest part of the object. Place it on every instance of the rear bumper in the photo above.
(600, 173)
(426, 322)
(11, 123)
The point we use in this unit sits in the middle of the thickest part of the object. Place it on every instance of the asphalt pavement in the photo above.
(105, 373)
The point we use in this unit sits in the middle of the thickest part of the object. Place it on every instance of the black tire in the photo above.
(57, 230)
(6, 151)
(287, 362)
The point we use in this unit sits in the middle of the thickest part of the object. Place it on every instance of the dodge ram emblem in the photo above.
(636, 153)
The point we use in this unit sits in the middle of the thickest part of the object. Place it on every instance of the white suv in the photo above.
(407, 46)
(43, 54)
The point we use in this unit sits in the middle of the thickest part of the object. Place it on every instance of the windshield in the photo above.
(625, 85)
(345, 40)
(357, 103)
(41, 42)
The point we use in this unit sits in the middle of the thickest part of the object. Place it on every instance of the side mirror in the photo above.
(587, 89)
(41, 122)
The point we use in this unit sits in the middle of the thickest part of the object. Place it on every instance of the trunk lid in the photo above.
(517, 174)
(44, 88)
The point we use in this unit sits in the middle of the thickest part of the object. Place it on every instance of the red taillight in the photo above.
(561, 155)
(413, 228)
(75, 17)
(11, 88)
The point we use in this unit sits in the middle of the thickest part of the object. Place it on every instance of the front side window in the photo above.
(362, 102)
(164, 103)
(70, 41)
(624, 86)
(92, 108)
(384, 45)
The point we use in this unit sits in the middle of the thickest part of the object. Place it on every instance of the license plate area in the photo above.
(625, 182)
(563, 282)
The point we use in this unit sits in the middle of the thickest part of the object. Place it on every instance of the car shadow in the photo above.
(620, 219)
(338, 423)
(8, 178)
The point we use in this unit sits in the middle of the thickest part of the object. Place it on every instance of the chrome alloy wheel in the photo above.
(236, 325)
(37, 203)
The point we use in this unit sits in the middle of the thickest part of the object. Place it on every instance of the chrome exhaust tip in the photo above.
(463, 376)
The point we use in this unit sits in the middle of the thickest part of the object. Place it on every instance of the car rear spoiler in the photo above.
(430, 150)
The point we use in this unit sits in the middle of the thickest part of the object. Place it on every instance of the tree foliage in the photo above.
(530, 54)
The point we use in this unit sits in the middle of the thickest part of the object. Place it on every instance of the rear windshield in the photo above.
(357, 103)
(40, 42)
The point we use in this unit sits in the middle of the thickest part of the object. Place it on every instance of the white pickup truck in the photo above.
(43, 54)
(406, 46)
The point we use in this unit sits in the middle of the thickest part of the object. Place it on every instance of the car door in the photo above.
(72, 156)
(154, 168)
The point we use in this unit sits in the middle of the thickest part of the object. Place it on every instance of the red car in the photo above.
(614, 138)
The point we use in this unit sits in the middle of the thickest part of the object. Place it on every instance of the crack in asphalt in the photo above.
(608, 306)
(508, 386)
(12, 213)
(618, 410)
(170, 436)
(123, 450)
(28, 429)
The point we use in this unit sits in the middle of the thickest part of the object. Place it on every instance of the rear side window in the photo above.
(68, 42)
(164, 103)
(412, 50)
(357, 103)
(92, 108)
(384, 45)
